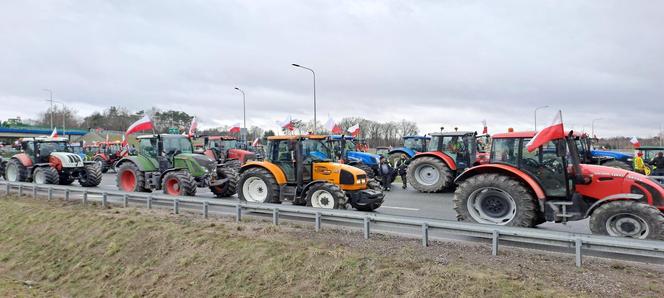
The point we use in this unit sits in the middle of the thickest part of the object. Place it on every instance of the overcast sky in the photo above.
(439, 63)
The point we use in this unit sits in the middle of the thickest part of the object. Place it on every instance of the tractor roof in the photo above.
(527, 134)
(417, 137)
(226, 138)
(44, 139)
(650, 148)
(296, 137)
(338, 137)
(151, 136)
(452, 133)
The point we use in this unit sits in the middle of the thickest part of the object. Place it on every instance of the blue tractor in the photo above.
(411, 146)
(345, 150)
(601, 157)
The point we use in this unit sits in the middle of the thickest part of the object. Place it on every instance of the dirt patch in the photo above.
(58, 249)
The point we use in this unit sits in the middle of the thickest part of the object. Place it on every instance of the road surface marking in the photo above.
(400, 208)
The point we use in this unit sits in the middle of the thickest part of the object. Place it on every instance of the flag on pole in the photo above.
(107, 138)
(193, 127)
(235, 128)
(142, 124)
(551, 132)
(54, 134)
(333, 126)
(635, 142)
(124, 141)
(287, 123)
(354, 130)
(485, 130)
(256, 142)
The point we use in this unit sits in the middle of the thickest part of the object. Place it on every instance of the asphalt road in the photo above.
(402, 202)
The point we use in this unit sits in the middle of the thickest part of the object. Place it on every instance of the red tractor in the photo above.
(107, 154)
(227, 150)
(449, 154)
(525, 189)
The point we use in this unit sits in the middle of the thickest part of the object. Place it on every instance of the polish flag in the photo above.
(235, 128)
(635, 142)
(106, 138)
(287, 124)
(142, 124)
(256, 142)
(54, 134)
(485, 130)
(552, 132)
(333, 127)
(193, 127)
(124, 141)
(354, 130)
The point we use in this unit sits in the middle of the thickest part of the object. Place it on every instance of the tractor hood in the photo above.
(202, 160)
(608, 181)
(611, 154)
(68, 160)
(366, 158)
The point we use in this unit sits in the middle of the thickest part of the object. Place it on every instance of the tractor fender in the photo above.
(305, 189)
(270, 167)
(141, 163)
(440, 155)
(611, 198)
(403, 150)
(504, 169)
(24, 159)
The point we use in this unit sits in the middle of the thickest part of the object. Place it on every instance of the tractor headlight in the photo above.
(630, 159)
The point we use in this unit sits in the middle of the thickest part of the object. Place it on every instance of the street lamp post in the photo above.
(244, 113)
(536, 109)
(592, 127)
(51, 100)
(314, 73)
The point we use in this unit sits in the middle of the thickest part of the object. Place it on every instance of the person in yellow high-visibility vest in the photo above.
(639, 165)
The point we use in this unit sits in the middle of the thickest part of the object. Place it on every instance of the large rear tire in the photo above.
(129, 178)
(429, 174)
(230, 187)
(15, 171)
(326, 196)
(178, 183)
(45, 175)
(618, 164)
(366, 168)
(102, 163)
(628, 219)
(233, 164)
(394, 158)
(495, 199)
(257, 185)
(91, 175)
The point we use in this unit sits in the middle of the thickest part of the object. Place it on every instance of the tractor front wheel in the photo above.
(46, 175)
(102, 164)
(326, 196)
(15, 171)
(429, 174)
(628, 219)
(495, 199)
(257, 185)
(129, 178)
(230, 187)
(90, 176)
(179, 183)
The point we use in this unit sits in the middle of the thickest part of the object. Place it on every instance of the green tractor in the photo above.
(167, 162)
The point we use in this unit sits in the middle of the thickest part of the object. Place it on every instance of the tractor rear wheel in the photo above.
(429, 174)
(394, 158)
(618, 164)
(15, 171)
(230, 187)
(257, 185)
(628, 219)
(46, 175)
(366, 168)
(495, 199)
(233, 164)
(179, 183)
(102, 163)
(90, 176)
(129, 178)
(326, 196)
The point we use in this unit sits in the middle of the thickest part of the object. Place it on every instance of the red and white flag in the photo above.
(256, 142)
(287, 124)
(551, 132)
(193, 127)
(54, 134)
(124, 141)
(354, 130)
(106, 138)
(485, 130)
(635, 142)
(235, 128)
(333, 127)
(142, 124)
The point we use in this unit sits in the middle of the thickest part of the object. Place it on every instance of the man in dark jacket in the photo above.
(385, 173)
(658, 163)
(402, 166)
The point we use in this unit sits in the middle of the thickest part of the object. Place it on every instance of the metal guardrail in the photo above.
(580, 242)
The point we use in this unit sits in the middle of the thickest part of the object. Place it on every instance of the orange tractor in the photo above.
(521, 188)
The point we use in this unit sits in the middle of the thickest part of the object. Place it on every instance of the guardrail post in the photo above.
(367, 222)
(317, 221)
(7, 188)
(66, 194)
(104, 197)
(176, 206)
(425, 234)
(50, 193)
(275, 216)
(494, 243)
(125, 201)
(20, 190)
(85, 197)
(206, 207)
(577, 245)
(149, 202)
(34, 191)
(238, 213)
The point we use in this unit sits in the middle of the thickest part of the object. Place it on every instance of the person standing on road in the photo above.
(658, 163)
(385, 173)
(401, 166)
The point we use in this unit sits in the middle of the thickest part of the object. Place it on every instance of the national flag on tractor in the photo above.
(54, 134)
(485, 130)
(235, 128)
(635, 142)
(142, 124)
(354, 130)
(106, 138)
(551, 132)
(124, 141)
(333, 127)
(287, 124)
(193, 127)
(256, 142)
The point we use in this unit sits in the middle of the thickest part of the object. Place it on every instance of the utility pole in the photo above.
(244, 114)
(51, 100)
(314, 73)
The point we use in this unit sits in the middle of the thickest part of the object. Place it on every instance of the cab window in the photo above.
(148, 147)
(505, 151)
(547, 166)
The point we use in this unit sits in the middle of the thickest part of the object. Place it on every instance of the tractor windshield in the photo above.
(223, 144)
(178, 143)
(417, 144)
(46, 148)
(315, 150)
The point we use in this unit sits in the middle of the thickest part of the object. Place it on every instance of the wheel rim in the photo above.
(173, 186)
(12, 173)
(322, 199)
(254, 190)
(490, 205)
(128, 181)
(627, 225)
(427, 175)
(40, 177)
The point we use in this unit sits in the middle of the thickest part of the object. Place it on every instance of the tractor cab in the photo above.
(288, 154)
(344, 149)
(411, 146)
(39, 149)
(460, 146)
(163, 148)
(227, 150)
(650, 152)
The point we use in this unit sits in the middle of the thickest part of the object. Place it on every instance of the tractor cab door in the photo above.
(547, 165)
(282, 154)
(149, 149)
(29, 149)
